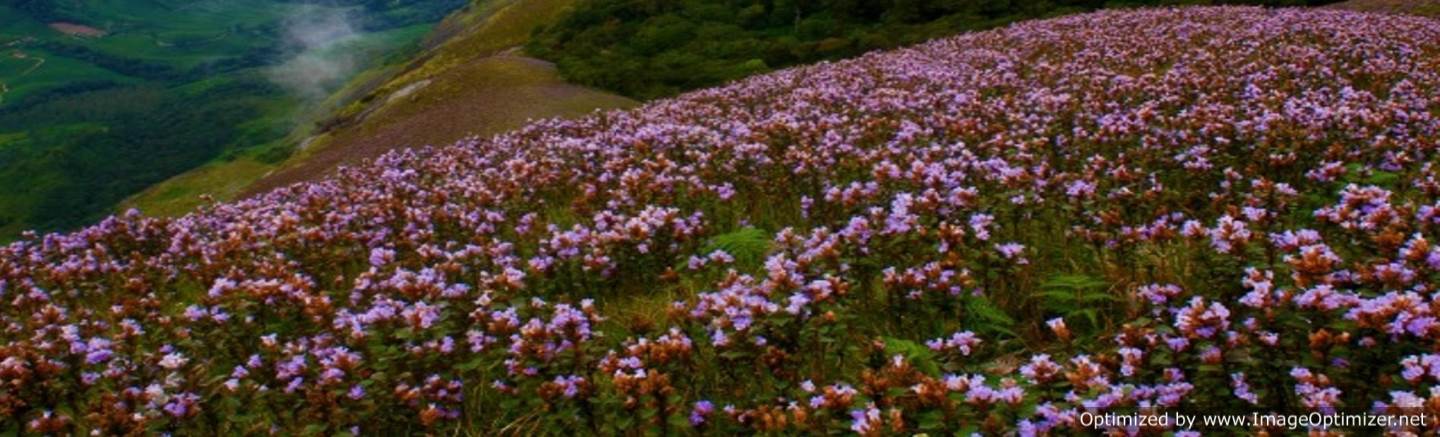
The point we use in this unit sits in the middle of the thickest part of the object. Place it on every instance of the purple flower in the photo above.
(700, 412)
(963, 342)
(98, 351)
(1011, 251)
(173, 361)
(380, 256)
(1242, 389)
(866, 420)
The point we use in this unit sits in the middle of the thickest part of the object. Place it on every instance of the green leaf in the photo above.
(472, 364)
(1383, 179)
(748, 245)
(1057, 296)
(920, 356)
(991, 315)
(1098, 297)
(679, 421)
(1073, 282)
(314, 429)
(1090, 315)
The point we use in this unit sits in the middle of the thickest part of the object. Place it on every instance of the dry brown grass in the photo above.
(1428, 8)
(487, 96)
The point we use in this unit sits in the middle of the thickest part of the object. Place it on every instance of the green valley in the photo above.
(101, 99)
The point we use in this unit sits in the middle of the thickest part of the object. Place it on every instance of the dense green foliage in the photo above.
(653, 48)
(117, 141)
(163, 87)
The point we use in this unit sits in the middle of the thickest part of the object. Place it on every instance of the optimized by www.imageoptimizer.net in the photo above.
(1177, 420)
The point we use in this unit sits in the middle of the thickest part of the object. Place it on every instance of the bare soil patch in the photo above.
(77, 30)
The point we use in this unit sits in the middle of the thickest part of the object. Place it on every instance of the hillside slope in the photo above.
(1428, 8)
(649, 49)
(1196, 209)
(468, 81)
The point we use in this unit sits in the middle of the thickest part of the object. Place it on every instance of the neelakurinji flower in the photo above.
(1255, 186)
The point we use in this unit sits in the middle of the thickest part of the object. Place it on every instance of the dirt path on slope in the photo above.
(18, 55)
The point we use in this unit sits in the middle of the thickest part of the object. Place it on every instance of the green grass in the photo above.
(16, 24)
(182, 194)
(747, 245)
(23, 163)
(41, 71)
(172, 34)
(7, 140)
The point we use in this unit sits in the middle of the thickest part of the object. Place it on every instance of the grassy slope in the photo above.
(464, 84)
(1428, 8)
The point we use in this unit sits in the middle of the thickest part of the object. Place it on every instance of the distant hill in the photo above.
(101, 99)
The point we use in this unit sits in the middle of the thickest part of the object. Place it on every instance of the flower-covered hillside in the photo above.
(1212, 209)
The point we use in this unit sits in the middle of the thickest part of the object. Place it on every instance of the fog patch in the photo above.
(318, 43)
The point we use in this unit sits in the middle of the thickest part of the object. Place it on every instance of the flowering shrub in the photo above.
(1243, 197)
